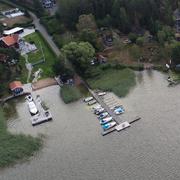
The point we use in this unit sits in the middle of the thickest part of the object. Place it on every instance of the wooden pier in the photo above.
(110, 112)
(43, 115)
(120, 127)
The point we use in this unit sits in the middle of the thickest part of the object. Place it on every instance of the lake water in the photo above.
(75, 150)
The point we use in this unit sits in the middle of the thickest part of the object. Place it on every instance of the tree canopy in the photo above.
(123, 14)
(80, 54)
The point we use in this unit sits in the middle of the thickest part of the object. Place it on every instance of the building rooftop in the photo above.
(12, 31)
(15, 84)
(10, 40)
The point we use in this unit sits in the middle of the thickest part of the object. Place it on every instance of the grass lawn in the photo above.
(15, 147)
(117, 81)
(49, 55)
(70, 94)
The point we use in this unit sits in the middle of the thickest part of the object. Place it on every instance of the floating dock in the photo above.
(120, 127)
(42, 116)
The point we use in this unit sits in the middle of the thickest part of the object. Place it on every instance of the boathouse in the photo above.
(16, 87)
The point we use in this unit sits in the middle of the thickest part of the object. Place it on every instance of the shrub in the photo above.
(70, 94)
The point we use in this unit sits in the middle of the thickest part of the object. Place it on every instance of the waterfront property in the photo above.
(16, 87)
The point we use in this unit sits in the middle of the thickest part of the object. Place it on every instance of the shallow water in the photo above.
(75, 150)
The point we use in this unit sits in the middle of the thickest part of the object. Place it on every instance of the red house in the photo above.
(10, 41)
(16, 87)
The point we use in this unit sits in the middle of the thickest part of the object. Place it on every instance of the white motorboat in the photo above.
(106, 120)
(32, 108)
(101, 93)
(108, 125)
(96, 107)
(99, 111)
(103, 115)
(92, 102)
(88, 99)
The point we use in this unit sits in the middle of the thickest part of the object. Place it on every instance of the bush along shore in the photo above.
(118, 81)
(14, 148)
(70, 93)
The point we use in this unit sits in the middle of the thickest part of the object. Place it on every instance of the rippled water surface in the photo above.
(75, 150)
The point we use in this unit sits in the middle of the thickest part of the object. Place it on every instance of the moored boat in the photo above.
(99, 111)
(32, 108)
(108, 125)
(106, 120)
(119, 110)
(103, 115)
(92, 102)
(101, 93)
(88, 99)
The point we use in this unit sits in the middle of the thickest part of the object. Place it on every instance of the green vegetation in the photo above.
(118, 81)
(49, 55)
(15, 147)
(80, 55)
(4, 7)
(70, 93)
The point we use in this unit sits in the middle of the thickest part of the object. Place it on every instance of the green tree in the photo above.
(140, 41)
(132, 37)
(38, 7)
(175, 53)
(80, 54)
(90, 36)
(161, 37)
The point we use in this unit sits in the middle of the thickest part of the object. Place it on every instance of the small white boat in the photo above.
(106, 120)
(108, 125)
(101, 93)
(32, 108)
(103, 115)
(92, 102)
(88, 99)
(97, 106)
(99, 111)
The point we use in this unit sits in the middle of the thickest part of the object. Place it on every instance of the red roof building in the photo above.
(10, 41)
(16, 87)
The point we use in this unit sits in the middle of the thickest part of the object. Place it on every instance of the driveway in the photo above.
(44, 33)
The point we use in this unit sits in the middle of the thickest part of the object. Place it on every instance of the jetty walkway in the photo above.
(104, 105)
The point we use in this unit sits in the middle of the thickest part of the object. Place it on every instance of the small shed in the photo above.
(16, 87)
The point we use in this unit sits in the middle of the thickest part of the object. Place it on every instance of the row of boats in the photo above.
(105, 120)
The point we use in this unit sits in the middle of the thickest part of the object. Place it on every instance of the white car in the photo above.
(32, 108)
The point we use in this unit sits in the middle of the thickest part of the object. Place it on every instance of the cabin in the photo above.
(16, 87)
(10, 41)
(16, 30)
